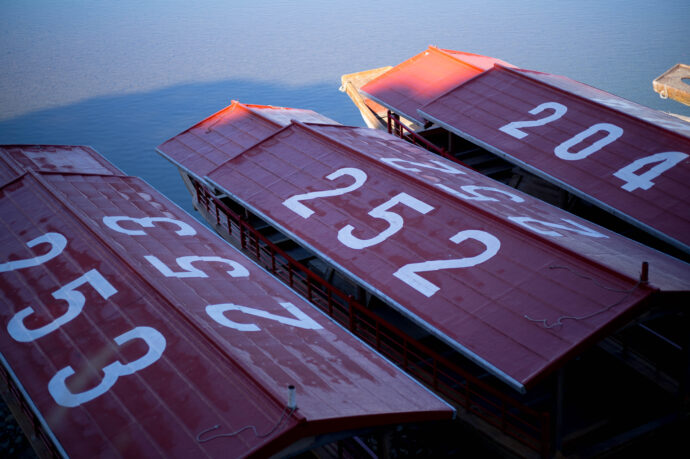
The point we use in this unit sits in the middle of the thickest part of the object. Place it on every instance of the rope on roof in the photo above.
(559, 320)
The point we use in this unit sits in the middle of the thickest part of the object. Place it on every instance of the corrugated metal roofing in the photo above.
(76, 159)
(134, 330)
(481, 265)
(626, 158)
(230, 131)
(422, 78)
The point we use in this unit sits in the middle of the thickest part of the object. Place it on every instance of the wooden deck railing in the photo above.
(39, 438)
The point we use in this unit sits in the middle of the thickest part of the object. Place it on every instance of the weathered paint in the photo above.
(193, 334)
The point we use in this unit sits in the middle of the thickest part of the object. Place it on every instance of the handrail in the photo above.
(39, 433)
(396, 127)
(527, 425)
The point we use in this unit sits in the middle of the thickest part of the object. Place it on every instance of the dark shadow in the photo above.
(126, 129)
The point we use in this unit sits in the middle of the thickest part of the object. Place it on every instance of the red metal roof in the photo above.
(15, 159)
(422, 78)
(626, 158)
(133, 330)
(230, 131)
(466, 257)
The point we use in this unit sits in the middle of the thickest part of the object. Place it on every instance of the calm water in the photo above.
(125, 76)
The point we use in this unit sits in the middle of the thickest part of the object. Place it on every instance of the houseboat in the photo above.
(540, 327)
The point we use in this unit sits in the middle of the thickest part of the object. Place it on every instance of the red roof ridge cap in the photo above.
(443, 52)
(233, 104)
(396, 68)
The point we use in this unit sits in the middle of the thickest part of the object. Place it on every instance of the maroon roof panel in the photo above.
(422, 78)
(55, 158)
(134, 330)
(486, 268)
(628, 159)
(230, 131)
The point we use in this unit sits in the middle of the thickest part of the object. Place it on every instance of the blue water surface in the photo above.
(125, 76)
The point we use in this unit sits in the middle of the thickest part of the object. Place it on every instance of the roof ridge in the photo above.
(443, 52)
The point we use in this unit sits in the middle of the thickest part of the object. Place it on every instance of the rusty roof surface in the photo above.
(513, 283)
(626, 158)
(228, 132)
(134, 331)
(422, 78)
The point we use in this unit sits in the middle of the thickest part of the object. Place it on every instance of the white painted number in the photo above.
(437, 165)
(575, 227)
(613, 132)
(301, 320)
(113, 222)
(57, 244)
(470, 193)
(633, 181)
(513, 128)
(408, 273)
(394, 220)
(156, 345)
(75, 301)
(190, 271)
(294, 202)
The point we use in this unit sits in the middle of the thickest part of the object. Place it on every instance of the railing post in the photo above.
(435, 375)
(388, 120)
(545, 435)
(330, 301)
(206, 200)
(351, 313)
(504, 420)
(308, 287)
(468, 402)
(242, 235)
(405, 354)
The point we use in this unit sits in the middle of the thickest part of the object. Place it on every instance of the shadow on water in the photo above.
(127, 128)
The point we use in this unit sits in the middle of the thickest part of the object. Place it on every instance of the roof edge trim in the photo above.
(443, 52)
(391, 108)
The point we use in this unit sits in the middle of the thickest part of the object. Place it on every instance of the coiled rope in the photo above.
(559, 320)
(283, 417)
